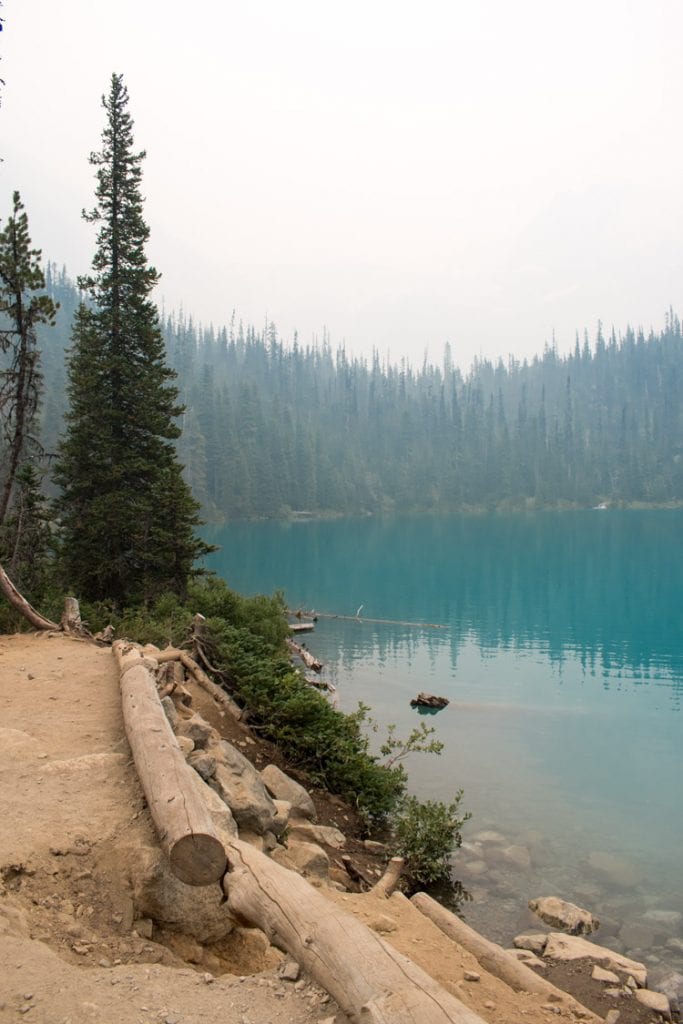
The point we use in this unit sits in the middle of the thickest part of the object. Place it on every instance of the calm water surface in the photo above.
(562, 657)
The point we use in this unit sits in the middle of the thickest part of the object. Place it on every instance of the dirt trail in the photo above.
(70, 950)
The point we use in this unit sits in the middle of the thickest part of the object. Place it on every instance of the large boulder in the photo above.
(239, 784)
(320, 834)
(561, 914)
(573, 947)
(282, 787)
(199, 911)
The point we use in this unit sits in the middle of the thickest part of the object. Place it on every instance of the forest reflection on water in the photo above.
(562, 659)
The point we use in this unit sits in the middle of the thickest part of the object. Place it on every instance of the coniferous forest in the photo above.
(271, 427)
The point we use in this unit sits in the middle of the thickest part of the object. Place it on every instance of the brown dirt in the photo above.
(68, 949)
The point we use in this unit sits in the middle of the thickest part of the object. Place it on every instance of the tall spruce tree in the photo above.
(127, 517)
(22, 310)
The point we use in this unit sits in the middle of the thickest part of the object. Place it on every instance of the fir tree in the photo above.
(22, 311)
(127, 517)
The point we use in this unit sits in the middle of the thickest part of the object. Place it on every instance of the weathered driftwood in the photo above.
(186, 831)
(428, 700)
(301, 652)
(19, 602)
(492, 957)
(390, 878)
(371, 981)
(200, 676)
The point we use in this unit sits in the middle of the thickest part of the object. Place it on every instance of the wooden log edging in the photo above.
(493, 958)
(370, 980)
(187, 834)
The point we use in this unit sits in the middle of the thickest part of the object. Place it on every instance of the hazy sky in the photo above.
(402, 173)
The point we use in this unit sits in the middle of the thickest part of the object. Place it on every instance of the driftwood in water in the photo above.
(186, 831)
(301, 627)
(428, 700)
(370, 980)
(19, 602)
(308, 659)
(492, 957)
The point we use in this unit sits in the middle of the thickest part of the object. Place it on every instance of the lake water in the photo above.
(561, 652)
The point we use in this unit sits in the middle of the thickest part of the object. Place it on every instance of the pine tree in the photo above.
(128, 519)
(22, 310)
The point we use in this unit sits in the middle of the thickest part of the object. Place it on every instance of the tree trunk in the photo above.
(372, 982)
(492, 957)
(21, 604)
(186, 831)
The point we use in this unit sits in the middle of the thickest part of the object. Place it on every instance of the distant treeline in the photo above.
(271, 427)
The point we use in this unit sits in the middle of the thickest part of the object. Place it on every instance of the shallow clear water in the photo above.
(562, 657)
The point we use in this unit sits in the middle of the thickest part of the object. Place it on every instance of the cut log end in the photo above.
(198, 859)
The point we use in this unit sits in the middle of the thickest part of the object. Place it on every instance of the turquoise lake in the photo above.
(561, 652)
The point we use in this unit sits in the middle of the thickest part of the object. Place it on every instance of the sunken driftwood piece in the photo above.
(19, 602)
(492, 958)
(308, 659)
(200, 676)
(428, 700)
(371, 981)
(186, 831)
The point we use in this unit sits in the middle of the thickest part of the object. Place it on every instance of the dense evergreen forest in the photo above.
(271, 427)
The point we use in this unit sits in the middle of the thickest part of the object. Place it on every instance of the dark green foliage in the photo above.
(127, 516)
(427, 834)
(22, 310)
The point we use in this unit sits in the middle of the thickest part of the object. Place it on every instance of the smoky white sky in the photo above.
(402, 174)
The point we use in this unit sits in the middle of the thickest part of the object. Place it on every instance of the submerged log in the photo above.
(186, 831)
(428, 700)
(370, 980)
(308, 659)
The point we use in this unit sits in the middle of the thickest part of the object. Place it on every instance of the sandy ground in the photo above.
(68, 948)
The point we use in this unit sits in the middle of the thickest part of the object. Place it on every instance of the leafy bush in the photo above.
(427, 834)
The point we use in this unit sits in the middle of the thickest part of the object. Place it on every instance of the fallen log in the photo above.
(301, 652)
(493, 958)
(390, 879)
(19, 602)
(200, 676)
(186, 831)
(370, 980)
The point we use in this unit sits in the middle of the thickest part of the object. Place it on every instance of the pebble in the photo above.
(472, 976)
(207, 978)
(612, 1017)
(489, 1005)
(550, 1008)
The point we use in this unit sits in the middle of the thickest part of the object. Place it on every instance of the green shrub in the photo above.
(427, 834)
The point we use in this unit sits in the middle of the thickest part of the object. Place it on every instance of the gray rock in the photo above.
(203, 763)
(561, 914)
(320, 834)
(636, 935)
(196, 729)
(656, 1001)
(535, 941)
(573, 947)
(239, 784)
(282, 787)
(670, 983)
(668, 919)
(305, 858)
(282, 812)
(198, 911)
(614, 870)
